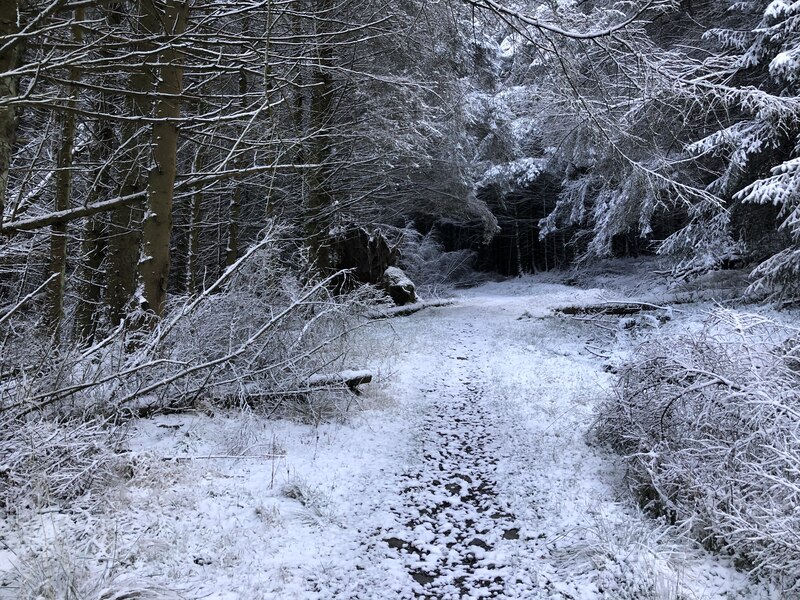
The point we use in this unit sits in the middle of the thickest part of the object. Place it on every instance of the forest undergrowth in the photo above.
(263, 337)
(707, 418)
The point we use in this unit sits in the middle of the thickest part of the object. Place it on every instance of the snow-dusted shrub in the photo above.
(317, 502)
(80, 563)
(261, 338)
(425, 261)
(255, 336)
(42, 461)
(632, 559)
(710, 426)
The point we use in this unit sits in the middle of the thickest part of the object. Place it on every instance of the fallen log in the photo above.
(618, 309)
(352, 379)
(408, 309)
(222, 457)
(252, 394)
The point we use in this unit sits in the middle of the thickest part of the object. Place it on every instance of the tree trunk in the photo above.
(192, 279)
(125, 226)
(63, 191)
(232, 249)
(234, 210)
(92, 254)
(320, 198)
(155, 261)
(517, 245)
(8, 89)
(95, 240)
(123, 255)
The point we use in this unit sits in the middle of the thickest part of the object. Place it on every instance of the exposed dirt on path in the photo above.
(452, 518)
(450, 501)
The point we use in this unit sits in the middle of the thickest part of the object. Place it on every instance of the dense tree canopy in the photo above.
(675, 132)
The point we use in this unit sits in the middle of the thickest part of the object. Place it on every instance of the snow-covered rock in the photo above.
(398, 285)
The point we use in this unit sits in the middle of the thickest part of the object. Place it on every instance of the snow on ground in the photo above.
(464, 471)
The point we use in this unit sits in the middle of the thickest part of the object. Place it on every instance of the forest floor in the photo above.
(465, 470)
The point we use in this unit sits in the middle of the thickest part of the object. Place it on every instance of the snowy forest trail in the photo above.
(500, 391)
(503, 496)
(454, 522)
(465, 472)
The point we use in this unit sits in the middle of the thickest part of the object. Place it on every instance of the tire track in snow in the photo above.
(458, 535)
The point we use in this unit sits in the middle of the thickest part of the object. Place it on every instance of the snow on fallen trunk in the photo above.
(352, 379)
(408, 309)
(349, 378)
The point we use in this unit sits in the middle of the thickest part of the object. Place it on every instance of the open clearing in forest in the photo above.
(463, 470)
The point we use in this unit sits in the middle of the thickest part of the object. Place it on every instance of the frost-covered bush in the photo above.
(425, 261)
(255, 336)
(42, 461)
(269, 330)
(710, 426)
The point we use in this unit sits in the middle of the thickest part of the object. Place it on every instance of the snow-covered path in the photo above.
(501, 495)
(465, 473)
(455, 530)
(504, 496)
(501, 394)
